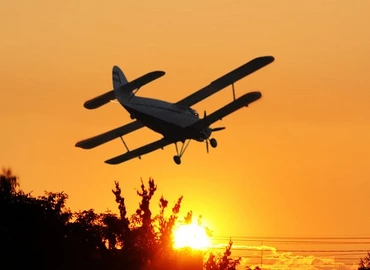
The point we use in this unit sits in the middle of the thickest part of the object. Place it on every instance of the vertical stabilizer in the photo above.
(118, 77)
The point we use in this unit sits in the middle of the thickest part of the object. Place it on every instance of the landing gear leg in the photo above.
(177, 158)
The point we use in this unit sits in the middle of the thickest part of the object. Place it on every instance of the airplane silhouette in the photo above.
(177, 122)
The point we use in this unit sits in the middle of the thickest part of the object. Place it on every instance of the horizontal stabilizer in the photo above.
(138, 152)
(108, 136)
(100, 100)
(226, 80)
(125, 88)
(228, 109)
(139, 82)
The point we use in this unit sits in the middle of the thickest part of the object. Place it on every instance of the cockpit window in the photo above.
(194, 112)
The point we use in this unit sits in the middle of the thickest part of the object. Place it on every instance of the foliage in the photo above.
(222, 262)
(41, 232)
(249, 268)
(365, 262)
(8, 183)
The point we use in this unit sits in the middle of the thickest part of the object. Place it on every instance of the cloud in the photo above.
(273, 259)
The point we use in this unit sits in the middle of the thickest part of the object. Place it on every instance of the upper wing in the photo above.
(226, 80)
(227, 109)
(138, 152)
(108, 136)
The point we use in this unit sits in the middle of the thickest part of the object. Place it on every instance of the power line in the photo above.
(259, 238)
(302, 241)
(293, 237)
(266, 250)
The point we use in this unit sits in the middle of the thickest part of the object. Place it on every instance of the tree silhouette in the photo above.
(42, 233)
(365, 262)
(249, 268)
(8, 183)
(222, 262)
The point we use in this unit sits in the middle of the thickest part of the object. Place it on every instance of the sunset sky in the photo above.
(295, 163)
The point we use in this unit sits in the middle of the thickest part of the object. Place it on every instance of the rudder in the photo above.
(118, 78)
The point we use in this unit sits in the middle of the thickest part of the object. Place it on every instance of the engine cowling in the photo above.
(205, 133)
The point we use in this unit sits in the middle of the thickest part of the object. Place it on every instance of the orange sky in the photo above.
(296, 162)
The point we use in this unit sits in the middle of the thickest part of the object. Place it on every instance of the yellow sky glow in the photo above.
(296, 162)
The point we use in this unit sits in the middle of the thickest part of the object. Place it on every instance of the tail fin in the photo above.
(119, 80)
(118, 77)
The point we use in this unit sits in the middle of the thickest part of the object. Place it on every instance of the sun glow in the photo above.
(191, 235)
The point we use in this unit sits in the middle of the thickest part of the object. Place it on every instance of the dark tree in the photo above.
(365, 262)
(249, 268)
(8, 183)
(222, 262)
(41, 233)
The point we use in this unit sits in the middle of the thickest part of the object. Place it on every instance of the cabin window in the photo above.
(194, 112)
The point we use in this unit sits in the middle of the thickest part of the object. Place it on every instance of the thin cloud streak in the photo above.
(273, 259)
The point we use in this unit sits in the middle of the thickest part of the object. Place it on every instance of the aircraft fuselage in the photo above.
(169, 119)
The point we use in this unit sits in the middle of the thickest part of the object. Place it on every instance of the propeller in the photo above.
(217, 129)
(212, 130)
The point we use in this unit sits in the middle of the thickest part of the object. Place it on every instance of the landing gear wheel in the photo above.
(132, 116)
(213, 142)
(177, 160)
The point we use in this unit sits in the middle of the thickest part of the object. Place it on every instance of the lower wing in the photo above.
(138, 152)
(108, 136)
(227, 109)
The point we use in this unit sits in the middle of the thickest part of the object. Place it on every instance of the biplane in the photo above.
(177, 122)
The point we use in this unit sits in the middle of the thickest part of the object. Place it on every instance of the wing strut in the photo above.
(232, 85)
(124, 144)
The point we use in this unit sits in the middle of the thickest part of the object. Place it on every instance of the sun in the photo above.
(191, 235)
